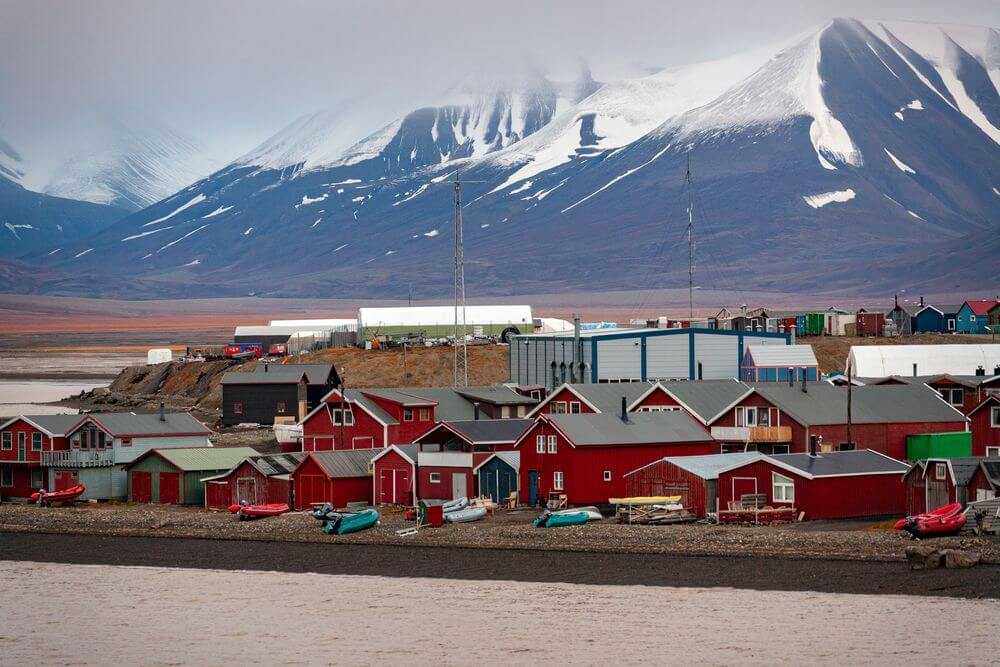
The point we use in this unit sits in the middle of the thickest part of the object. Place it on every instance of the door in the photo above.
(743, 486)
(489, 484)
(386, 487)
(65, 479)
(402, 486)
(246, 490)
(310, 489)
(459, 487)
(142, 487)
(170, 488)
(532, 487)
(937, 493)
(217, 495)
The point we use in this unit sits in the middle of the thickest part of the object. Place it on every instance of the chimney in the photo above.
(265, 366)
(921, 302)
(914, 370)
(812, 445)
(980, 371)
(791, 330)
(805, 388)
(791, 376)
(475, 410)
(163, 416)
(996, 370)
(895, 300)
(624, 414)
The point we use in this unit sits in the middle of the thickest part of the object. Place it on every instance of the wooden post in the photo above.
(849, 384)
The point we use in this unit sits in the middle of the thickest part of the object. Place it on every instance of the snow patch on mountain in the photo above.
(197, 199)
(823, 198)
(176, 241)
(218, 211)
(142, 234)
(307, 200)
(902, 166)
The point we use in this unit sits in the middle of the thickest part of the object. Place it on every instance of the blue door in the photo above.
(532, 487)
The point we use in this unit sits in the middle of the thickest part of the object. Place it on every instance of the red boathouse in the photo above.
(394, 476)
(335, 477)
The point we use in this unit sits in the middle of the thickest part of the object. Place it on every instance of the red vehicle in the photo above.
(249, 351)
(277, 350)
(43, 497)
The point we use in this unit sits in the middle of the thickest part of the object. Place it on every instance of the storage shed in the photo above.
(870, 324)
(394, 476)
(446, 475)
(973, 316)
(936, 319)
(275, 393)
(879, 361)
(985, 482)
(931, 483)
(836, 485)
(773, 363)
(632, 355)
(173, 476)
(693, 478)
(257, 480)
(335, 477)
(496, 475)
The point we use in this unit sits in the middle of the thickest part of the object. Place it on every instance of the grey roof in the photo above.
(316, 374)
(641, 428)
(707, 398)
(992, 469)
(409, 450)
(964, 380)
(827, 404)
(197, 459)
(964, 468)
(949, 309)
(450, 406)
(607, 397)
(277, 464)
(346, 463)
(57, 425)
(129, 423)
(496, 395)
(398, 396)
(782, 355)
(858, 462)
(491, 430)
(355, 396)
(707, 466)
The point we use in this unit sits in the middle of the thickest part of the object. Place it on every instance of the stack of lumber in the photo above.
(651, 510)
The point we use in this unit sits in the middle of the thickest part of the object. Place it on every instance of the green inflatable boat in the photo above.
(548, 520)
(351, 523)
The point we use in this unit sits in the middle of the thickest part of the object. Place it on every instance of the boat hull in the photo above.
(466, 516)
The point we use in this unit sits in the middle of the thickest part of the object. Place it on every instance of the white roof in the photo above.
(553, 324)
(782, 355)
(445, 459)
(281, 330)
(442, 315)
(347, 324)
(878, 361)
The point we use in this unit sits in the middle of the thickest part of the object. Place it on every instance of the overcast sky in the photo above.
(231, 72)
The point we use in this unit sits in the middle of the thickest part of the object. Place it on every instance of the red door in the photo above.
(402, 486)
(142, 487)
(218, 495)
(309, 489)
(385, 489)
(65, 479)
(170, 488)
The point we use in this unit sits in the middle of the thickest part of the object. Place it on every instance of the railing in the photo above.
(752, 433)
(76, 458)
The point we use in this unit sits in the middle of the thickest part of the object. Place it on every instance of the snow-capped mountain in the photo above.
(817, 164)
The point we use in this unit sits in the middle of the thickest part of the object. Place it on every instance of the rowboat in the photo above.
(351, 523)
(246, 511)
(43, 497)
(593, 514)
(552, 520)
(467, 515)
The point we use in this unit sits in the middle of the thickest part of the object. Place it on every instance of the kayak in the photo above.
(557, 520)
(244, 512)
(351, 523)
(593, 514)
(465, 516)
(43, 497)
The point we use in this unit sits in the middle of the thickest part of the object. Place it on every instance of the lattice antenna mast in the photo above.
(461, 364)
(690, 238)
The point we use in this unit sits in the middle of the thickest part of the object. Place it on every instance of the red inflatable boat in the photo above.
(945, 520)
(43, 497)
(258, 511)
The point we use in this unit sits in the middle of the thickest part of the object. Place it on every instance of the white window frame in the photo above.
(558, 481)
(504, 412)
(7, 440)
(995, 416)
(520, 411)
(607, 475)
(434, 478)
(539, 444)
(949, 393)
(36, 435)
(574, 407)
(992, 451)
(342, 416)
(972, 318)
(424, 414)
(551, 444)
(782, 488)
(742, 415)
(407, 414)
(940, 471)
(951, 324)
(558, 408)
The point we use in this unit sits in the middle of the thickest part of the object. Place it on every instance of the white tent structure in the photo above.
(334, 324)
(879, 361)
(440, 320)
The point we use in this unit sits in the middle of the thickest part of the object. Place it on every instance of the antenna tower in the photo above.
(461, 353)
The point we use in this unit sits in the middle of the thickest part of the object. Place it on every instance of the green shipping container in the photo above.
(951, 445)
(815, 324)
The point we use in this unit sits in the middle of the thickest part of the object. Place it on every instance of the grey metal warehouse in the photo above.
(632, 355)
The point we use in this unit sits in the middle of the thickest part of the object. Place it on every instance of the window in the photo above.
(552, 444)
(22, 439)
(940, 471)
(279, 406)
(36, 441)
(37, 478)
(540, 444)
(995, 416)
(520, 411)
(424, 415)
(7, 475)
(954, 395)
(434, 478)
(126, 442)
(407, 414)
(746, 416)
(992, 451)
(557, 481)
(972, 318)
(951, 324)
(607, 475)
(505, 412)
(8, 441)
(558, 408)
(574, 407)
(536, 394)
(342, 417)
(782, 488)
(238, 407)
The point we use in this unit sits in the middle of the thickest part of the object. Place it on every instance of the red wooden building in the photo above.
(335, 477)
(985, 481)
(984, 421)
(963, 392)
(834, 485)
(22, 441)
(475, 435)
(693, 478)
(870, 324)
(585, 456)
(932, 483)
(257, 480)
(394, 476)
(447, 475)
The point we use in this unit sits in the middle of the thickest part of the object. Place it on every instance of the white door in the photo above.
(458, 485)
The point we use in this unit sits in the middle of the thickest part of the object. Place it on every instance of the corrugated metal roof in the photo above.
(708, 466)
(346, 463)
(992, 469)
(491, 430)
(450, 406)
(981, 306)
(608, 397)
(397, 396)
(128, 423)
(707, 398)
(417, 316)
(827, 404)
(355, 396)
(277, 464)
(858, 462)
(782, 355)
(497, 395)
(964, 468)
(884, 360)
(316, 374)
(57, 425)
(192, 459)
(641, 428)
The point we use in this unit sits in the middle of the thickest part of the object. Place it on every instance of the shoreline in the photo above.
(552, 566)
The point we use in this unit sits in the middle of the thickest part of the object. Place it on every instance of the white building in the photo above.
(877, 361)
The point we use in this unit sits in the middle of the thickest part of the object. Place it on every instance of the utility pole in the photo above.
(690, 238)
(461, 365)
(850, 382)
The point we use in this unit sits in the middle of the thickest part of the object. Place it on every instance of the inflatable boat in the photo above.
(244, 512)
(551, 520)
(467, 515)
(344, 524)
(945, 520)
(43, 497)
